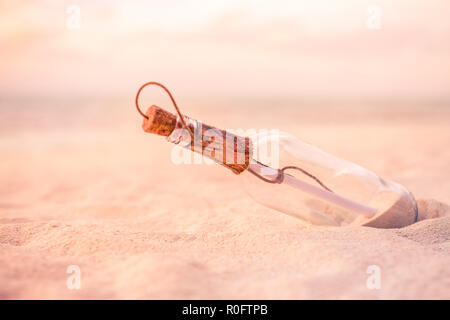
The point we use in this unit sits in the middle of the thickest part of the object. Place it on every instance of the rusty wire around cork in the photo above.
(171, 98)
(277, 180)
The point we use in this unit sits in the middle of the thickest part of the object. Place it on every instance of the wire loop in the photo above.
(180, 115)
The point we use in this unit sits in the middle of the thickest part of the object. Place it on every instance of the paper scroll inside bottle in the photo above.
(224, 147)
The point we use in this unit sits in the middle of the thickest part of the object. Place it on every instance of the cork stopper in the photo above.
(160, 121)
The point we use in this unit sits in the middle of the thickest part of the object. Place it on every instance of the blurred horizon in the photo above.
(294, 50)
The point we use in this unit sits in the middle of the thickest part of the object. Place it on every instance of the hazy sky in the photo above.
(315, 48)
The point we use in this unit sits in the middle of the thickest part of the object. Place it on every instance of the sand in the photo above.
(83, 185)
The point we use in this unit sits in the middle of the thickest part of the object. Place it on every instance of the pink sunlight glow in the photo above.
(229, 48)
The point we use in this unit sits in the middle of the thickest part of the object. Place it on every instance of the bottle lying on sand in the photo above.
(304, 181)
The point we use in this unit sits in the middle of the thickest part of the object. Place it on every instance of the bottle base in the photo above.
(401, 213)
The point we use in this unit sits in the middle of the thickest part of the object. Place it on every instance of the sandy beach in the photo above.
(85, 186)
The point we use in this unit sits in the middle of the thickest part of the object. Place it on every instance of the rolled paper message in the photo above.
(225, 148)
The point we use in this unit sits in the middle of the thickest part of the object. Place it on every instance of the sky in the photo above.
(247, 48)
